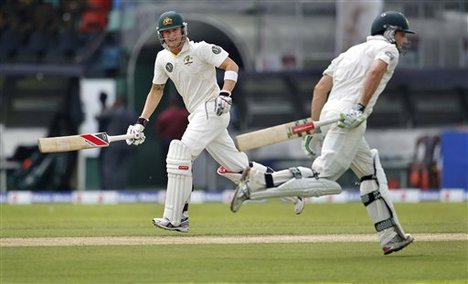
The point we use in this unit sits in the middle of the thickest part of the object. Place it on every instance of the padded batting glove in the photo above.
(352, 118)
(312, 144)
(223, 103)
(137, 130)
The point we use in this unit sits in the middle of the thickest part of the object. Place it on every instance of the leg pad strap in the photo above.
(269, 180)
(369, 177)
(384, 224)
(370, 197)
(296, 172)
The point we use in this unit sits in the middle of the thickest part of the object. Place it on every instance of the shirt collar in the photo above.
(186, 46)
(376, 37)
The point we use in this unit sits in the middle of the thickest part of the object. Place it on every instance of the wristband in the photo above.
(225, 93)
(143, 121)
(230, 75)
(360, 107)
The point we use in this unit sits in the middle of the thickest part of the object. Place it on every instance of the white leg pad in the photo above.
(283, 176)
(257, 179)
(376, 197)
(303, 187)
(261, 167)
(179, 181)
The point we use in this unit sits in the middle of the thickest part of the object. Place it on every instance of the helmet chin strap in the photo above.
(404, 48)
(389, 35)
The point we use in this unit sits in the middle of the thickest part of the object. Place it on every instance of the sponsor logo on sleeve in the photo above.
(390, 55)
(169, 67)
(216, 49)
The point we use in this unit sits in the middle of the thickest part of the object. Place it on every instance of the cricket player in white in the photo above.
(349, 88)
(192, 68)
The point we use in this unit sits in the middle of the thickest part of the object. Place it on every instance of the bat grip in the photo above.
(121, 137)
(326, 122)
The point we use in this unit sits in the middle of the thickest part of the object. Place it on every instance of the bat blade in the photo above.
(279, 133)
(73, 142)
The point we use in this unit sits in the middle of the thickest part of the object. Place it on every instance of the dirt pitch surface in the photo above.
(184, 239)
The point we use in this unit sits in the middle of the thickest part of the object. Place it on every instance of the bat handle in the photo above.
(121, 137)
(326, 122)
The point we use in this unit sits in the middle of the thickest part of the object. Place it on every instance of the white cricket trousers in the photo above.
(208, 131)
(342, 148)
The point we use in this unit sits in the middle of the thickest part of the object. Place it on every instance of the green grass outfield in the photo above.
(262, 243)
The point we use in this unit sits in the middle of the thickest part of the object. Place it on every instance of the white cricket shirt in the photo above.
(348, 70)
(193, 71)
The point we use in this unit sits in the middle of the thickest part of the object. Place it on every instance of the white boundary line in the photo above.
(195, 240)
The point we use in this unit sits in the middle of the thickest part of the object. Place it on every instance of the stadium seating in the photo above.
(87, 32)
(413, 98)
(36, 47)
(53, 33)
(65, 44)
(9, 43)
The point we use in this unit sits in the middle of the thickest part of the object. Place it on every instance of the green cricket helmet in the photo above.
(170, 20)
(390, 20)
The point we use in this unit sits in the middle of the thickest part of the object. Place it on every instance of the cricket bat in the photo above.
(79, 142)
(279, 133)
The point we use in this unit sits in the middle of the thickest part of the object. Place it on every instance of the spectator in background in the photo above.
(94, 18)
(114, 160)
(171, 124)
(353, 19)
(102, 127)
(102, 123)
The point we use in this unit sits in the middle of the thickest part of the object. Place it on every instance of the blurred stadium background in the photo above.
(56, 57)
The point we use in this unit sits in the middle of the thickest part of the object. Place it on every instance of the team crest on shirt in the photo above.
(169, 67)
(216, 49)
(188, 60)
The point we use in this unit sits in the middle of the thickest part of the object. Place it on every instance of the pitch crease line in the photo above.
(174, 240)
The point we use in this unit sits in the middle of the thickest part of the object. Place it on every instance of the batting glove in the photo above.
(137, 131)
(352, 118)
(223, 103)
(312, 144)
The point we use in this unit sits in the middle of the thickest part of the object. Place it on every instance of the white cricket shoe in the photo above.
(397, 243)
(241, 194)
(297, 201)
(299, 205)
(165, 224)
(243, 189)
